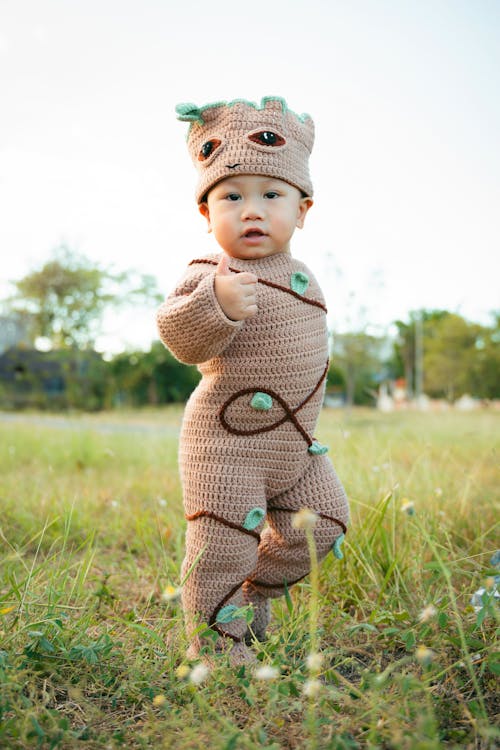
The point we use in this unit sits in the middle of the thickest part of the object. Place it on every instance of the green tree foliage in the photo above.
(485, 373)
(358, 358)
(449, 354)
(403, 363)
(65, 299)
(153, 377)
(458, 356)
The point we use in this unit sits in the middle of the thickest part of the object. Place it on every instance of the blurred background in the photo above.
(97, 210)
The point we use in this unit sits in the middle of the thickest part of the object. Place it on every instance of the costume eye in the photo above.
(208, 148)
(267, 138)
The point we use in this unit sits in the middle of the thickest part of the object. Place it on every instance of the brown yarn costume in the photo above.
(239, 452)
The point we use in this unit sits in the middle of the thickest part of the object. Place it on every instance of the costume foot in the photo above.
(240, 654)
(237, 653)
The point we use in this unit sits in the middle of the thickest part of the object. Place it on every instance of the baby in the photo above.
(254, 320)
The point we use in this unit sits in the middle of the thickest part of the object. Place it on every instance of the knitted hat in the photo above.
(240, 137)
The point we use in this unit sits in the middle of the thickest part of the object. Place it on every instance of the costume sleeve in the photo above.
(191, 322)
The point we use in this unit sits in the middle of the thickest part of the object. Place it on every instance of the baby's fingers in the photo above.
(247, 278)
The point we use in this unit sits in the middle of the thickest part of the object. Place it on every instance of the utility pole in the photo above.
(419, 358)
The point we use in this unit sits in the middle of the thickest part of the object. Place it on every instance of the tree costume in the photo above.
(247, 449)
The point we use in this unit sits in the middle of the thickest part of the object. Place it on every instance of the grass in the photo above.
(91, 534)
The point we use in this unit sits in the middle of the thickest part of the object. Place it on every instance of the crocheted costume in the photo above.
(247, 449)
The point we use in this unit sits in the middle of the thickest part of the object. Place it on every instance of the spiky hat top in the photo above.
(241, 137)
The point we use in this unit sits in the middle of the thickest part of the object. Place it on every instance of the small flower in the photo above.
(438, 491)
(346, 434)
(159, 700)
(6, 610)
(375, 469)
(314, 662)
(424, 655)
(312, 688)
(182, 671)
(162, 502)
(171, 593)
(304, 519)
(266, 672)
(199, 674)
(115, 504)
(427, 613)
(407, 506)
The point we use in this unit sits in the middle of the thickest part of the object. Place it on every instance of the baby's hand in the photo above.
(236, 292)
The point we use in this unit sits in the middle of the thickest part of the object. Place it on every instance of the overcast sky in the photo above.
(406, 165)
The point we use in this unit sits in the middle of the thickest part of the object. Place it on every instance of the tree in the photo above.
(66, 298)
(404, 362)
(153, 377)
(358, 357)
(458, 356)
(449, 355)
(484, 379)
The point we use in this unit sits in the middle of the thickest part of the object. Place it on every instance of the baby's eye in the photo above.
(271, 194)
(267, 138)
(208, 148)
(232, 197)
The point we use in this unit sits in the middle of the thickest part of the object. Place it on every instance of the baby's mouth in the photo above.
(253, 232)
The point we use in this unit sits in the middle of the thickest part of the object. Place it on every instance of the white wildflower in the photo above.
(312, 688)
(314, 662)
(408, 507)
(304, 519)
(427, 613)
(424, 655)
(266, 672)
(199, 674)
(171, 593)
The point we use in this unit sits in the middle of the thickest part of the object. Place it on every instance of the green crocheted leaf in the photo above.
(254, 517)
(187, 112)
(230, 612)
(261, 401)
(299, 282)
(317, 449)
(336, 547)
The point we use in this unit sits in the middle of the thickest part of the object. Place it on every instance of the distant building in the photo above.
(13, 331)
(51, 380)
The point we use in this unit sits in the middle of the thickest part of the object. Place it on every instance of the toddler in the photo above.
(254, 320)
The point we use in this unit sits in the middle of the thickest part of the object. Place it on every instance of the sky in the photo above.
(406, 163)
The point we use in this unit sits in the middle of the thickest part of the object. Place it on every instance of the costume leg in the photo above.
(283, 552)
(221, 551)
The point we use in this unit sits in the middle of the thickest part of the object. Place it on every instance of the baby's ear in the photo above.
(204, 211)
(304, 206)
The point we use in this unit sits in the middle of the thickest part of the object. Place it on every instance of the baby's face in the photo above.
(253, 216)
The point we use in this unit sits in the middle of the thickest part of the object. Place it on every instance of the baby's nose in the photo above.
(252, 209)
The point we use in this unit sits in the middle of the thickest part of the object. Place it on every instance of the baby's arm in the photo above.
(192, 322)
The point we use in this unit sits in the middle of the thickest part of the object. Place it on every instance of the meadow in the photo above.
(92, 650)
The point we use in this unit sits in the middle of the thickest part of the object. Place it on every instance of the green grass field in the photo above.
(91, 534)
